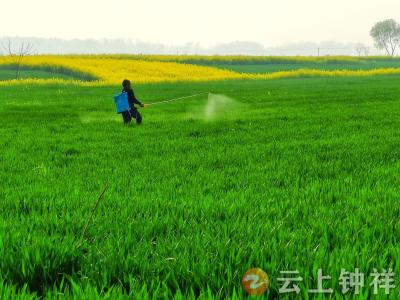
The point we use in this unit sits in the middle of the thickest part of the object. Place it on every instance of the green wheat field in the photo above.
(283, 175)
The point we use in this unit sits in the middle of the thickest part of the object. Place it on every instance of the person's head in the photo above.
(126, 84)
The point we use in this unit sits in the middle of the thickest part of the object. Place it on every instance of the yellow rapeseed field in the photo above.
(111, 70)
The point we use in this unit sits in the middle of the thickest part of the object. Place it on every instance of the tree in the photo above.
(386, 35)
(18, 54)
(361, 49)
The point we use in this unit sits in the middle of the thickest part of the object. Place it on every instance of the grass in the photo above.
(300, 174)
(8, 72)
(285, 66)
(243, 59)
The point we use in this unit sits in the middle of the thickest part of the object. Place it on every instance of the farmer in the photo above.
(133, 112)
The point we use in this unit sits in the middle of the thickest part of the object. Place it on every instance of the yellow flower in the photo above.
(112, 69)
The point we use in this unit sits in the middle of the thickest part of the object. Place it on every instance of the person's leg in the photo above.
(126, 116)
(136, 114)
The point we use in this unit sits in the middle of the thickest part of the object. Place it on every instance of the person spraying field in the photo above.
(217, 106)
(128, 110)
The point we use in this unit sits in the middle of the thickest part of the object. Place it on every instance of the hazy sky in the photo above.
(174, 22)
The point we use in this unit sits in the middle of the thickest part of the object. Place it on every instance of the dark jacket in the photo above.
(131, 98)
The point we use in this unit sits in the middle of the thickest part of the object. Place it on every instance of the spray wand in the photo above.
(176, 99)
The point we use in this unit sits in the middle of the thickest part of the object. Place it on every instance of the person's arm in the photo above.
(135, 100)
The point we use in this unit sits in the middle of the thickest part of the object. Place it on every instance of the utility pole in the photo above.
(318, 52)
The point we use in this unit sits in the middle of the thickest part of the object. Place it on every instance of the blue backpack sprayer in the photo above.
(121, 102)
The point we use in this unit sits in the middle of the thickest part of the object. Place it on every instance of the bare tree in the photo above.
(361, 49)
(18, 54)
(386, 35)
(366, 51)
